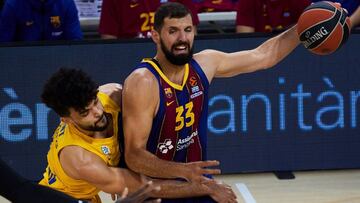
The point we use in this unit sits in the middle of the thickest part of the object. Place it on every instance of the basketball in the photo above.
(323, 27)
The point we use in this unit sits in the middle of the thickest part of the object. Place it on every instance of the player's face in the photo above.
(91, 118)
(176, 39)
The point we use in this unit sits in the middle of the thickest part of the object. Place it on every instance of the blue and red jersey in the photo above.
(179, 128)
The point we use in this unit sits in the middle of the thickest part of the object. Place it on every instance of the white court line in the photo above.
(245, 193)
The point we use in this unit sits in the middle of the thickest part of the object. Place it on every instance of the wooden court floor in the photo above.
(325, 186)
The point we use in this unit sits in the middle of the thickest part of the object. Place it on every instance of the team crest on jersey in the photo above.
(166, 146)
(55, 21)
(105, 150)
(168, 92)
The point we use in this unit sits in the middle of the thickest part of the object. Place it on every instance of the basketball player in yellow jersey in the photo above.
(84, 152)
(86, 139)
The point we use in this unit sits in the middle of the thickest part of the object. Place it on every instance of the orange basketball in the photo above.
(323, 27)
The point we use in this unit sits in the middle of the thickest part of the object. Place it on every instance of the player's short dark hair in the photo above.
(170, 10)
(69, 88)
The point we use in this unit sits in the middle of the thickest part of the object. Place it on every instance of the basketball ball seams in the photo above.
(323, 27)
(336, 30)
(330, 36)
(319, 32)
(311, 24)
(345, 22)
(323, 18)
(343, 17)
(333, 42)
(307, 22)
(322, 5)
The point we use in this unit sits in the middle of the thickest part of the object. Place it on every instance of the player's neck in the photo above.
(173, 72)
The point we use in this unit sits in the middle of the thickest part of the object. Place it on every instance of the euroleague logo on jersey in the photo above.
(195, 90)
(105, 149)
(193, 81)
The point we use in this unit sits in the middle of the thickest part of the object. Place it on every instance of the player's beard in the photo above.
(180, 59)
(99, 125)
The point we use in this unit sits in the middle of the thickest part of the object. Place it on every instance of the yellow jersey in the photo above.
(67, 134)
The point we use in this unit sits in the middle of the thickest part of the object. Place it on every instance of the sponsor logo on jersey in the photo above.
(166, 146)
(196, 94)
(105, 150)
(169, 103)
(187, 141)
(195, 89)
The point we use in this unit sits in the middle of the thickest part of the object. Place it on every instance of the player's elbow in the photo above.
(116, 186)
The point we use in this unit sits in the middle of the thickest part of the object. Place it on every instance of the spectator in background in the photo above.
(349, 5)
(215, 5)
(132, 18)
(35, 20)
(268, 15)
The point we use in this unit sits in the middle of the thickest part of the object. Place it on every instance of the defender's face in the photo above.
(91, 118)
(177, 38)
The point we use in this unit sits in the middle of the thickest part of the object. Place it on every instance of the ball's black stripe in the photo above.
(306, 36)
(343, 16)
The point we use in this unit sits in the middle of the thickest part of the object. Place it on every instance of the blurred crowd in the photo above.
(35, 20)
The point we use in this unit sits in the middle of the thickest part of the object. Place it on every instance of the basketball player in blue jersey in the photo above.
(165, 102)
(84, 154)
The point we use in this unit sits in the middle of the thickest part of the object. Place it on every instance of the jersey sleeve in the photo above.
(107, 102)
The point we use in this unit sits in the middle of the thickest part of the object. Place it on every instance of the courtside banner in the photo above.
(303, 114)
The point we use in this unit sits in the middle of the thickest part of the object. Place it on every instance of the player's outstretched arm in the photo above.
(355, 18)
(140, 103)
(268, 54)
